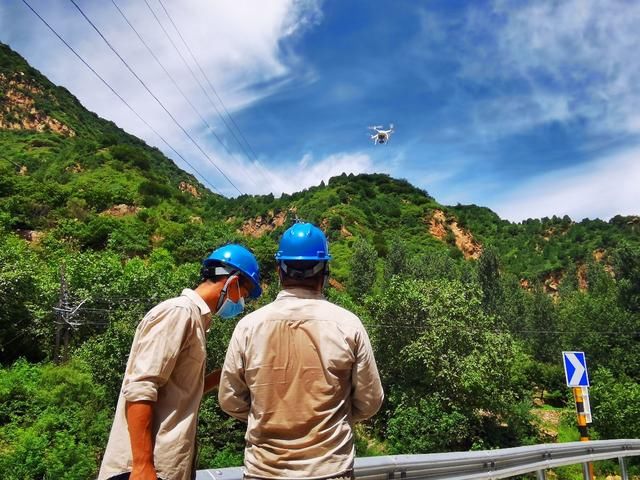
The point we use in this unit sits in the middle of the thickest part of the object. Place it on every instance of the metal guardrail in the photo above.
(484, 464)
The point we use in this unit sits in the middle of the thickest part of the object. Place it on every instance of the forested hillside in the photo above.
(467, 313)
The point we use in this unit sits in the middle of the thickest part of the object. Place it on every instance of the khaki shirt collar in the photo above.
(297, 292)
(205, 311)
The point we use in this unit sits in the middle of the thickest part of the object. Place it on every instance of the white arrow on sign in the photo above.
(579, 369)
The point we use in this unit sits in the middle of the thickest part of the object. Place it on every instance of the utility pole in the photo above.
(63, 307)
(64, 322)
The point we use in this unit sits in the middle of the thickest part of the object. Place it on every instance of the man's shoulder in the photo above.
(341, 312)
(272, 311)
(330, 310)
(255, 316)
(181, 301)
(171, 306)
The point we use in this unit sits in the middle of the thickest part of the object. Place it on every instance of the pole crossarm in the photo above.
(483, 464)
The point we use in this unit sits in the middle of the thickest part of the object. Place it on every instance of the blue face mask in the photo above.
(229, 308)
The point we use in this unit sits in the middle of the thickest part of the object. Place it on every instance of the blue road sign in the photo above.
(575, 369)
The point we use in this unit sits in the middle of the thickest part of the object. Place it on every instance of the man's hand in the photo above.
(212, 381)
(144, 471)
(140, 420)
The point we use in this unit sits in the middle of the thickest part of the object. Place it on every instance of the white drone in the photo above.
(381, 136)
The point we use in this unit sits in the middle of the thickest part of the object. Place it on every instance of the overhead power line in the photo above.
(186, 64)
(173, 81)
(204, 90)
(215, 92)
(425, 328)
(178, 124)
(118, 95)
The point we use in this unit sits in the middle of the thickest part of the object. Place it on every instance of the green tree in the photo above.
(627, 265)
(489, 279)
(397, 261)
(596, 323)
(465, 365)
(18, 289)
(616, 405)
(54, 422)
(363, 268)
(428, 426)
(541, 329)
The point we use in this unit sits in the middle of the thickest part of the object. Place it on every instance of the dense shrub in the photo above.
(54, 422)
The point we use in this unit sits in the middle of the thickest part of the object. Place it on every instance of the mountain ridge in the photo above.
(82, 180)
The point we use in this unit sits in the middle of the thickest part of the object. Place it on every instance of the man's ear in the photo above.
(233, 288)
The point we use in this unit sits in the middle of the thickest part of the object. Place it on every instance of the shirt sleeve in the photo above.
(367, 394)
(156, 347)
(233, 393)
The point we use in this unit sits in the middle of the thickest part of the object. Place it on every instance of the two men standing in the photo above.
(300, 371)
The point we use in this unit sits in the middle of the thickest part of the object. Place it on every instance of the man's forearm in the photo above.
(212, 381)
(140, 422)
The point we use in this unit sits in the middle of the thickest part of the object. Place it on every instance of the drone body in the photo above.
(381, 136)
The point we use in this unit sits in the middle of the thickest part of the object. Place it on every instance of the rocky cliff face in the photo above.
(260, 225)
(441, 227)
(18, 110)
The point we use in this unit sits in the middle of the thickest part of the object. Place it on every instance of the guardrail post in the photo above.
(541, 475)
(623, 468)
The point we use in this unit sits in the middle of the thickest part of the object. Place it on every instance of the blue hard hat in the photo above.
(303, 241)
(238, 258)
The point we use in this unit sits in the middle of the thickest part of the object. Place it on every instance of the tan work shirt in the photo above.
(300, 371)
(166, 366)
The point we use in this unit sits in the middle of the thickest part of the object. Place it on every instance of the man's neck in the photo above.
(210, 293)
(317, 290)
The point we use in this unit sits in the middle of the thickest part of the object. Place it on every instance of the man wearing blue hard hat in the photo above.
(154, 429)
(300, 371)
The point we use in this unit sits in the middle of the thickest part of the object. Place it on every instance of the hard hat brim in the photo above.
(303, 257)
(255, 292)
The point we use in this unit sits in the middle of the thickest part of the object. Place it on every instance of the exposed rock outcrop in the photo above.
(581, 273)
(344, 232)
(18, 110)
(336, 284)
(552, 282)
(75, 168)
(188, 188)
(260, 225)
(440, 226)
(32, 236)
(121, 210)
(437, 225)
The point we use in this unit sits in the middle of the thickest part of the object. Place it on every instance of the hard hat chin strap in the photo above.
(223, 292)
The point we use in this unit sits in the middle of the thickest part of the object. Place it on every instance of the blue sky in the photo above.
(529, 108)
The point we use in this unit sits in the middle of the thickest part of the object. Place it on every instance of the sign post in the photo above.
(575, 370)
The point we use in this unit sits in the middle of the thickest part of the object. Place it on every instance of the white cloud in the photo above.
(578, 56)
(503, 115)
(292, 178)
(535, 62)
(241, 45)
(584, 50)
(304, 161)
(599, 189)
